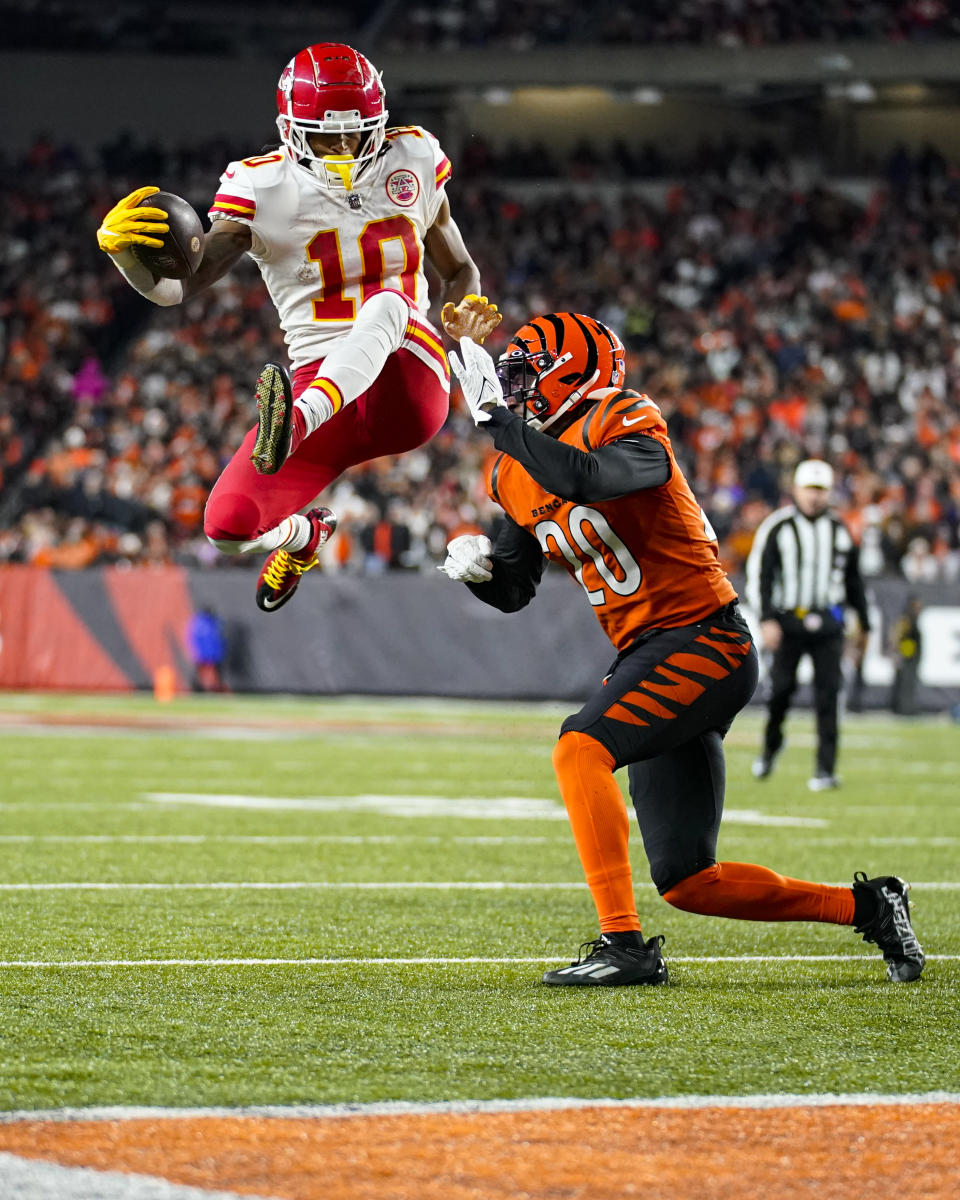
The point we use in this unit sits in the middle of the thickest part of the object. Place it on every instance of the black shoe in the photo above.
(274, 409)
(613, 964)
(890, 928)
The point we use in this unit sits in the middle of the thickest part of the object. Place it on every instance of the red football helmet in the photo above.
(331, 88)
(555, 362)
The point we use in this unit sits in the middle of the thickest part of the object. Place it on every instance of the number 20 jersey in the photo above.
(321, 253)
(648, 559)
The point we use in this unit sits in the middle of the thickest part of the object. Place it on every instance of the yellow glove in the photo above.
(126, 225)
(474, 317)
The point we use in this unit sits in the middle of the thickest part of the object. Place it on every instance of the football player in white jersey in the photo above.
(339, 220)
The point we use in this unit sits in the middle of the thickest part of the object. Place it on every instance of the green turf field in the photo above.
(142, 999)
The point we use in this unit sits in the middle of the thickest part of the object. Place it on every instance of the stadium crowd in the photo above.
(771, 319)
(526, 24)
(471, 24)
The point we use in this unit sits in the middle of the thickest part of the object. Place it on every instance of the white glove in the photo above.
(478, 380)
(468, 559)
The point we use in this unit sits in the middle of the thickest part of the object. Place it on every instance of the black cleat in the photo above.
(890, 928)
(274, 409)
(613, 964)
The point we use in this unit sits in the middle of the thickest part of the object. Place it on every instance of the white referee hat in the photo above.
(813, 472)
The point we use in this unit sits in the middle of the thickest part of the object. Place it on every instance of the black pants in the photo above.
(663, 711)
(825, 647)
(903, 695)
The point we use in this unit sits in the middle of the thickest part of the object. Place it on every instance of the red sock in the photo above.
(601, 827)
(753, 893)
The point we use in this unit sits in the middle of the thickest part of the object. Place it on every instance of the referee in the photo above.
(802, 571)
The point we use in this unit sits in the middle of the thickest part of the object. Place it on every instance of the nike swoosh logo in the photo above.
(634, 421)
(268, 603)
(229, 174)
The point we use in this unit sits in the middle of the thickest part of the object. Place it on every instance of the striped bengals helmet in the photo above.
(555, 362)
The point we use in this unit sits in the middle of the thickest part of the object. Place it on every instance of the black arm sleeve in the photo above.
(626, 465)
(518, 564)
(769, 566)
(856, 592)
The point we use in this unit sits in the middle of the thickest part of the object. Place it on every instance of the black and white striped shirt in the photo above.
(800, 565)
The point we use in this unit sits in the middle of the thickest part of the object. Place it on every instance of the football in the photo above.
(182, 248)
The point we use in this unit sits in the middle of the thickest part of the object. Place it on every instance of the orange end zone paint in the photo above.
(579, 1154)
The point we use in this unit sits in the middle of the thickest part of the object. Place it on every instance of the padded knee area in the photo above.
(690, 893)
(230, 518)
(577, 750)
(390, 308)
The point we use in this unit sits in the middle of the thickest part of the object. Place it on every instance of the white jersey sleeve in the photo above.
(236, 198)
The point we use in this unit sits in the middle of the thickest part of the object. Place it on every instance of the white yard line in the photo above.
(426, 962)
(387, 1108)
(190, 839)
(933, 841)
(451, 885)
(500, 885)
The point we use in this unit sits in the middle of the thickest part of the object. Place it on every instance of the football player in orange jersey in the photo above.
(587, 478)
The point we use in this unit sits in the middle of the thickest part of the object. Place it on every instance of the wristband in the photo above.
(164, 292)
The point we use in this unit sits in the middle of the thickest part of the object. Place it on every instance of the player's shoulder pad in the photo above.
(414, 144)
(242, 181)
(620, 412)
(259, 170)
(412, 135)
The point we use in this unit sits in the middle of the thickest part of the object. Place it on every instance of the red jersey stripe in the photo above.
(226, 198)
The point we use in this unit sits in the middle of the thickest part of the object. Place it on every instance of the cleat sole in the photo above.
(274, 410)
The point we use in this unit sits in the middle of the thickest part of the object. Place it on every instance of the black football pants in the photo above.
(826, 653)
(663, 712)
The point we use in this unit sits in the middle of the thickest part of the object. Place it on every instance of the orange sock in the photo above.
(753, 893)
(601, 827)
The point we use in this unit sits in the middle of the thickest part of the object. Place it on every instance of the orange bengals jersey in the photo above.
(647, 559)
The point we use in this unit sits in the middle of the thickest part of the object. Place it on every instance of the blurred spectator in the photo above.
(770, 319)
(458, 24)
(907, 645)
(208, 649)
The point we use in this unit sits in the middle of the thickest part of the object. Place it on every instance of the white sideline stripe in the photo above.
(487, 808)
(31, 1179)
(453, 885)
(526, 808)
(386, 1108)
(427, 962)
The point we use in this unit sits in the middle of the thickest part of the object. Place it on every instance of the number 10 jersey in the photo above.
(323, 251)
